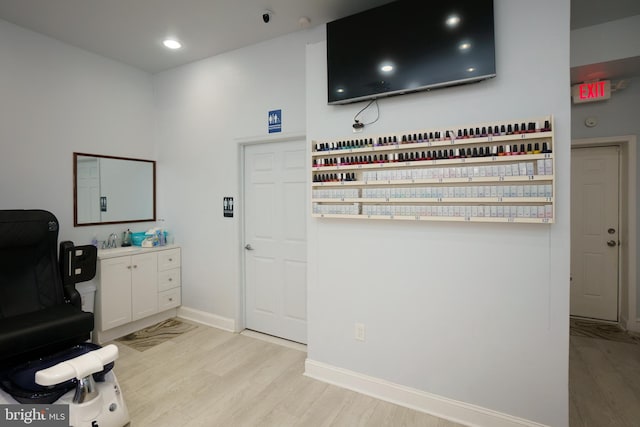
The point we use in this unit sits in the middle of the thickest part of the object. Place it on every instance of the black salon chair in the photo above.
(40, 309)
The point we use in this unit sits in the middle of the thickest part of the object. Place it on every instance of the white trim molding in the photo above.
(629, 320)
(207, 319)
(442, 407)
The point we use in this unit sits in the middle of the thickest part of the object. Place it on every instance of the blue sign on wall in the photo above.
(275, 121)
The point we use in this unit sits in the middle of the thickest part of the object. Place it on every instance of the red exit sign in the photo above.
(591, 91)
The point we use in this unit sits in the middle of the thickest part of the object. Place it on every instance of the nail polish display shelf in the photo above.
(445, 175)
(433, 162)
(484, 179)
(446, 143)
(442, 218)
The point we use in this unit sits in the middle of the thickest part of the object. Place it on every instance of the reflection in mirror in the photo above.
(110, 190)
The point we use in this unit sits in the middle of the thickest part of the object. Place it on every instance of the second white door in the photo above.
(275, 239)
(594, 232)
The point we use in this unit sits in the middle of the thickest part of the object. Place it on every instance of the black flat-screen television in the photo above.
(409, 45)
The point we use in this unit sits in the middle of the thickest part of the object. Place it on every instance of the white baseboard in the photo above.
(208, 319)
(634, 325)
(442, 407)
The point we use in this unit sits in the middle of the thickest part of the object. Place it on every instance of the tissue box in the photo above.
(137, 238)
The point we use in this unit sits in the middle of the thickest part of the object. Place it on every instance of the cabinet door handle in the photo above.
(129, 267)
(170, 299)
(135, 266)
(170, 279)
(170, 259)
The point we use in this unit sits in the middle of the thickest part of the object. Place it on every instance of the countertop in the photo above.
(131, 250)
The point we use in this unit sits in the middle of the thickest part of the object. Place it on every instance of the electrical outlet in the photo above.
(359, 331)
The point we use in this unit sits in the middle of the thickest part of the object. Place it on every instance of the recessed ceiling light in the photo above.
(471, 69)
(340, 90)
(452, 21)
(464, 46)
(386, 68)
(172, 44)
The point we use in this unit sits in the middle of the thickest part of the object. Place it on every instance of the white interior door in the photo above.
(594, 232)
(275, 239)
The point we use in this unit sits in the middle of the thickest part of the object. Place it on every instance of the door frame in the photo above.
(242, 145)
(627, 288)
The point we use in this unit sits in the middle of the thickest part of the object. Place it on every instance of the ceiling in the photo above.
(131, 31)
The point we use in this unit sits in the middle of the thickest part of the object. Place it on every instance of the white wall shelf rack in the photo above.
(488, 172)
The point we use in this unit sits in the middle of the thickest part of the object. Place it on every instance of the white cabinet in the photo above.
(168, 279)
(136, 285)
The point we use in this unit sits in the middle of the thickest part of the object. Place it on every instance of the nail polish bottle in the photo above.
(423, 156)
(523, 128)
(509, 130)
(446, 135)
(496, 130)
(456, 154)
(545, 148)
(379, 141)
(507, 150)
(516, 129)
(475, 152)
(471, 134)
(547, 126)
(502, 130)
(481, 152)
(431, 136)
(529, 149)
(477, 132)
(500, 151)
(484, 131)
(404, 139)
(469, 153)
(536, 148)
(522, 150)
(494, 150)
(459, 133)
(465, 134)
(401, 157)
(514, 149)
(395, 139)
(532, 127)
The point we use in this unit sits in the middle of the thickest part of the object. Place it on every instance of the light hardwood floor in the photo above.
(604, 383)
(208, 377)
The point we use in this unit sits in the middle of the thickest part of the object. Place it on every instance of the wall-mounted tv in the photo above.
(409, 45)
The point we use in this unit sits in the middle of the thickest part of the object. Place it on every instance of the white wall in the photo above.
(473, 312)
(605, 42)
(56, 99)
(204, 109)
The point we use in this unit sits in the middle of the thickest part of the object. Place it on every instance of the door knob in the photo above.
(611, 243)
(248, 247)
(611, 231)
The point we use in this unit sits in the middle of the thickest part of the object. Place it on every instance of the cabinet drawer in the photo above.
(168, 299)
(168, 259)
(168, 279)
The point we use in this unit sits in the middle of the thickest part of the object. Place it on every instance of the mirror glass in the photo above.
(111, 190)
